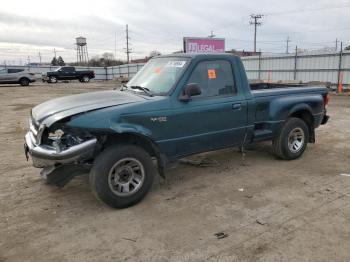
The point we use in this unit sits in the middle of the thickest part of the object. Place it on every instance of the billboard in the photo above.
(204, 45)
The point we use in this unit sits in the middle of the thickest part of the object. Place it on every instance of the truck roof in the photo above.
(199, 55)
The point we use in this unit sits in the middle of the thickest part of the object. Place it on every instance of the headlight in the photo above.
(56, 135)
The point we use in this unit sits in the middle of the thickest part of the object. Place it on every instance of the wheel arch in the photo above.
(140, 140)
(305, 114)
(23, 78)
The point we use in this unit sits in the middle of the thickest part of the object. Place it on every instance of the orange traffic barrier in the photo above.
(340, 85)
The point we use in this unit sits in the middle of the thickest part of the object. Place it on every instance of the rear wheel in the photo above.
(122, 175)
(292, 139)
(24, 82)
(53, 79)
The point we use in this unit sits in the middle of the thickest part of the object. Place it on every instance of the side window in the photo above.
(12, 71)
(214, 78)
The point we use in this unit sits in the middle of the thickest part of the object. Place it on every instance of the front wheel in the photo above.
(292, 139)
(122, 175)
(53, 79)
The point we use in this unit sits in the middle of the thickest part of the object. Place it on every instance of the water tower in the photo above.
(82, 52)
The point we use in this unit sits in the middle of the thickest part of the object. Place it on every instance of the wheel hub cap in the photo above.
(126, 177)
(296, 140)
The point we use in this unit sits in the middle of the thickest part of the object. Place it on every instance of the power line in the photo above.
(256, 23)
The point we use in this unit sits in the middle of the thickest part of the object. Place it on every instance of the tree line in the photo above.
(106, 59)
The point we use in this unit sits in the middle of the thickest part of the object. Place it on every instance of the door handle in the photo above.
(237, 106)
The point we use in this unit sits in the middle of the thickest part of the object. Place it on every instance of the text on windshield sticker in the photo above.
(175, 63)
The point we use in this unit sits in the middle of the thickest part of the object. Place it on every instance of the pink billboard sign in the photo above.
(204, 45)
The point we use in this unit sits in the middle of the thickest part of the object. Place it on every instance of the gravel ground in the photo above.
(266, 209)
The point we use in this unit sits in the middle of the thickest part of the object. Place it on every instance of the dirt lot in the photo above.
(271, 210)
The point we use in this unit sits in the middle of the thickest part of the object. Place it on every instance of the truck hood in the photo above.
(56, 109)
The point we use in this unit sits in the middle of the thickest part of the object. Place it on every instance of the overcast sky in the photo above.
(30, 27)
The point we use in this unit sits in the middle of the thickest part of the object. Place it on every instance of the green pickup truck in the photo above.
(175, 106)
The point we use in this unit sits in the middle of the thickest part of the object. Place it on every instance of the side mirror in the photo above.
(190, 90)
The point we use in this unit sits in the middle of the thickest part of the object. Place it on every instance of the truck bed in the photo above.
(264, 85)
(266, 119)
(287, 90)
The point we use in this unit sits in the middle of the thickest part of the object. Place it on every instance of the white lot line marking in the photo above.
(345, 175)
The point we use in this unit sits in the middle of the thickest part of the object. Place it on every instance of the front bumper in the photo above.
(43, 155)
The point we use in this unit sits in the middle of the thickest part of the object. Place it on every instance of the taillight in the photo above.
(326, 99)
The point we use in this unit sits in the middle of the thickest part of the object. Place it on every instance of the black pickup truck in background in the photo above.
(68, 73)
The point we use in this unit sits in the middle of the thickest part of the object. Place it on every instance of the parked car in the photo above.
(16, 76)
(68, 73)
(175, 106)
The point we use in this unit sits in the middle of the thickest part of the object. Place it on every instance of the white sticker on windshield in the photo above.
(175, 64)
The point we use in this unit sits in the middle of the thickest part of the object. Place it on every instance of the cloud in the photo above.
(161, 25)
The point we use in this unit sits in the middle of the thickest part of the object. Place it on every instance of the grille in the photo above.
(35, 131)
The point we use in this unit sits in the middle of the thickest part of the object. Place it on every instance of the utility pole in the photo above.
(54, 51)
(128, 50)
(336, 44)
(295, 63)
(211, 34)
(115, 45)
(340, 66)
(39, 57)
(287, 48)
(255, 21)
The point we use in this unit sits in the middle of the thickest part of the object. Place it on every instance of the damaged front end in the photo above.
(62, 151)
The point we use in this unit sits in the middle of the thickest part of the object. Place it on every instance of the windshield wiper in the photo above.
(144, 89)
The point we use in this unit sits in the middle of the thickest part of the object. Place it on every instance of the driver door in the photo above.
(215, 119)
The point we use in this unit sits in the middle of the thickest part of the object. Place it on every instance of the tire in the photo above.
(53, 79)
(118, 189)
(24, 81)
(292, 140)
(86, 79)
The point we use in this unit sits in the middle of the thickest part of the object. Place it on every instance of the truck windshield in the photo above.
(159, 75)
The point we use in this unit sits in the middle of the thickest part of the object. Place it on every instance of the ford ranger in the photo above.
(175, 106)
